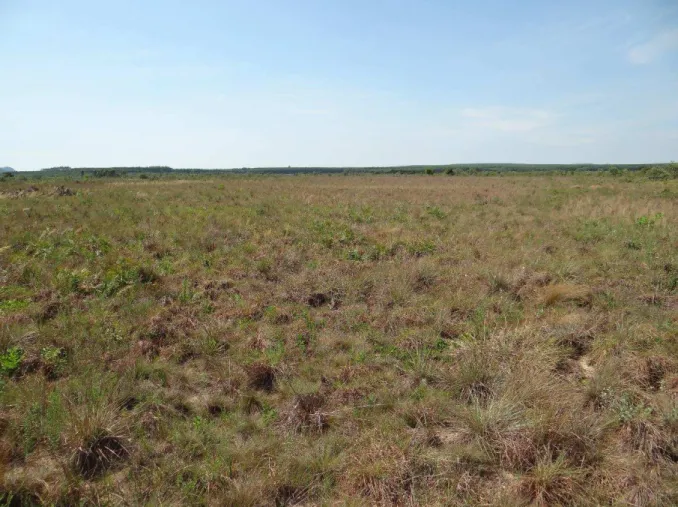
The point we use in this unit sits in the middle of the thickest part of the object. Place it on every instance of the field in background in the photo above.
(361, 340)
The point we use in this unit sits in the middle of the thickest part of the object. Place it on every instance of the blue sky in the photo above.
(212, 83)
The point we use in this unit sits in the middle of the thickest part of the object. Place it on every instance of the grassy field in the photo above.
(340, 340)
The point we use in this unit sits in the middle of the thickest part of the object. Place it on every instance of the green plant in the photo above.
(12, 305)
(436, 212)
(187, 293)
(123, 274)
(627, 409)
(421, 248)
(354, 255)
(10, 360)
(55, 360)
(648, 221)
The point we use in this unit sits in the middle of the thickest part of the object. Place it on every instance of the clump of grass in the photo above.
(552, 482)
(579, 294)
(306, 415)
(381, 475)
(576, 333)
(474, 378)
(98, 440)
(524, 284)
(499, 283)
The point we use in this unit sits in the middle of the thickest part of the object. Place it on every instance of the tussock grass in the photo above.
(339, 340)
(578, 294)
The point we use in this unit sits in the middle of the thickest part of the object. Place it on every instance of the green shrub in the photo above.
(658, 173)
(10, 361)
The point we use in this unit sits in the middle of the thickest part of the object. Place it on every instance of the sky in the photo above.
(221, 84)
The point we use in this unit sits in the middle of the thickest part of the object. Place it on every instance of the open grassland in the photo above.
(340, 340)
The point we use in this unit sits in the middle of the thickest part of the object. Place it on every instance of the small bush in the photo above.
(10, 361)
(658, 174)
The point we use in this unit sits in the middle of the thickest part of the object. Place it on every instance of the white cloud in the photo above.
(508, 119)
(654, 48)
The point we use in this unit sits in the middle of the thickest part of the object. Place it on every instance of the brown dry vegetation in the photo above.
(340, 340)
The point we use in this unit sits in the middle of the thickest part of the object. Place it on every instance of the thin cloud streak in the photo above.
(507, 119)
(653, 49)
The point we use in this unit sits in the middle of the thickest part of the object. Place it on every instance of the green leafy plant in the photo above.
(11, 360)
(648, 221)
(627, 409)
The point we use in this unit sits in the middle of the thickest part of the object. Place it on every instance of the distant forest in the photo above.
(450, 169)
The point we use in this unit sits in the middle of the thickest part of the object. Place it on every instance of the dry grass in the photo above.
(578, 294)
(339, 340)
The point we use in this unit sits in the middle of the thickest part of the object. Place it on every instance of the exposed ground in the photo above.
(358, 340)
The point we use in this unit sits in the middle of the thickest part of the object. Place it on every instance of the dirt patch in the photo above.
(261, 377)
(97, 455)
(318, 299)
(654, 371)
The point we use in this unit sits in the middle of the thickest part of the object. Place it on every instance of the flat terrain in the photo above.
(340, 340)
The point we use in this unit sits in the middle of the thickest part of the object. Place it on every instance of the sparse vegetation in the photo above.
(340, 339)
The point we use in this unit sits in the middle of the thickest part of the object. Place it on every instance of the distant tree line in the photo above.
(109, 170)
(653, 171)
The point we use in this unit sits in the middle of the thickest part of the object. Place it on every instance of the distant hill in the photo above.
(7, 170)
